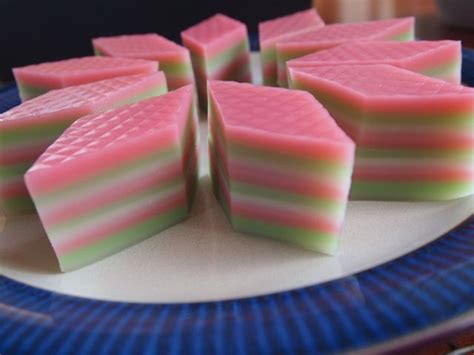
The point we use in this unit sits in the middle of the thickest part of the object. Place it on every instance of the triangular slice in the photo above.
(401, 29)
(174, 59)
(116, 178)
(439, 59)
(36, 79)
(280, 165)
(28, 129)
(271, 31)
(414, 134)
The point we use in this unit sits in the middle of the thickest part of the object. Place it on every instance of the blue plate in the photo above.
(429, 288)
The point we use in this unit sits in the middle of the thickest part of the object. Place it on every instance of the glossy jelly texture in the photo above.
(280, 165)
(116, 178)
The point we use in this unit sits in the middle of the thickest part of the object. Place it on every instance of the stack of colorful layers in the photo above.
(34, 80)
(280, 165)
(117, 178)
(414, 134)
(28, 129)
(219, 51)
(438, 59)
(272, 31)
(400, 29)
(174, 59)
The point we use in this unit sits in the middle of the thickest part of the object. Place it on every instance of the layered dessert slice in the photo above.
(174, 60)
(28, 129)
(219, 49)
(116, 178)
(280, 165)
(414, 134)
(400, 29)
(36, 79)
(272, 31)
(439, 59)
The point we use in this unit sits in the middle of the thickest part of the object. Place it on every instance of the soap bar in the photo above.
(414, 134)
(280, 165)
(28, 129)
(116, 178)
(400, 29)
(219, 49)
(439, 59)
(36, 79)
(271, 31)
(174, 59)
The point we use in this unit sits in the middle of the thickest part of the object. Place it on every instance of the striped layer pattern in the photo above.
(414, 134)
(219, 50)
(398, 29)
(116, 178)
(283, 174)
(28, 129)
(174, 60)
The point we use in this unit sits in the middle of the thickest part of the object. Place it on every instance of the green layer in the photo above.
(410, 191)
(28, 92)
(16, 205)
(454, 155)
(121, 240)
(443, 70)
(462, 120)
(405, 36)
(13, 171)
(268, 56)
(211, 64)
(308, 239)
(36, 132)
(176, 68)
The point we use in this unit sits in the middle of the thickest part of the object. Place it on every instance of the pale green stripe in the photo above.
(307, 239)
(410, 191)
(121, 240)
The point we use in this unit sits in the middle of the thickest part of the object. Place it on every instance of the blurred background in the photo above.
(38, 31)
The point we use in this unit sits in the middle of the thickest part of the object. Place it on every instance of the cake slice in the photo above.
(36, 79)
(219, 49)
(400, 29)
(280, 165)
(174, 59)
(439, 59)
(414, 134)
(116, 178)
(272, 31)
(28, 129)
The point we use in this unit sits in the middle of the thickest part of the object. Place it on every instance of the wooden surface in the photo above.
(428, 22)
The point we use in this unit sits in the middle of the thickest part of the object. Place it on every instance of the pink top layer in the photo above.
(387, 86)
(278, 111)
(77, 71)
(80, 100)
(213, 34)
(272, 30)
(98, 132)
(388, 52)
(339, 33)
(147, 46)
